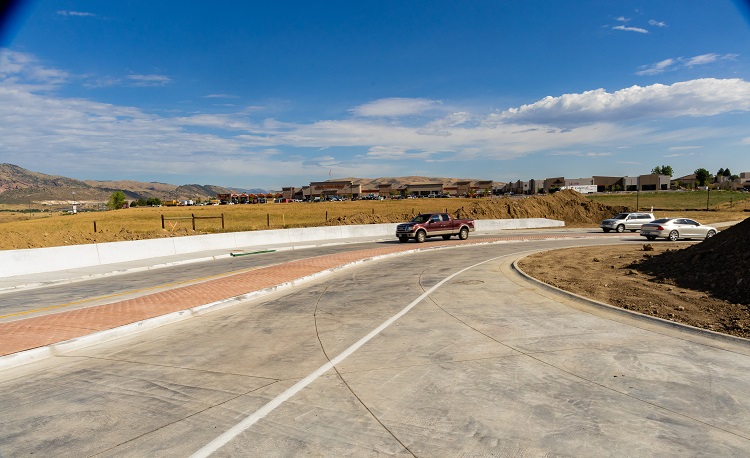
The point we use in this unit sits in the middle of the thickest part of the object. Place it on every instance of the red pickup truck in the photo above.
(434, 225)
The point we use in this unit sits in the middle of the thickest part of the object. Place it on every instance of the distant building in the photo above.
(609, 184)
(653, 182)
(553, 184)
(325, 189)
(687, 181)
(424, 189)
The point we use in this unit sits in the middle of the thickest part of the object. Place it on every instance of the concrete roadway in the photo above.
(437, 353)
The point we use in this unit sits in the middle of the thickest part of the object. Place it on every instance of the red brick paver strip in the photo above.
(26, 334)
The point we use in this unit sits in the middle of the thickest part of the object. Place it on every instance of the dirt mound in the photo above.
(719, 266)
(567, 205)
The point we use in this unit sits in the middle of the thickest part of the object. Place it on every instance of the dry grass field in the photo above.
(20, 229)
(677, 200)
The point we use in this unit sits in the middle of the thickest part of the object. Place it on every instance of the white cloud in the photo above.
(682, 62)
(704, 59)
(656, 23)
(582, 154)
(657, 68)
(701, 97)
(149, 80)
(75, 13)
(679, 148)
(220, 96)
(25, 72)
(394, 107)
(629, 29)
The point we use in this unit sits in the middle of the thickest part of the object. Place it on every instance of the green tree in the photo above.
(663, 170)
(116, 200)
(701, 176)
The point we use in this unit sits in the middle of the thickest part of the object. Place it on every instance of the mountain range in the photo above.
(21, 186)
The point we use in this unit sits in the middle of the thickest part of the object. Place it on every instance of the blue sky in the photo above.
(270, 94)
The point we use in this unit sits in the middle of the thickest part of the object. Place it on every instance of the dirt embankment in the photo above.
(568, 206)
(720, 266)
(704, 284)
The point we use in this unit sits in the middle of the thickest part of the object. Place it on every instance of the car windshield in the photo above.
(660, 221)
(621, 216)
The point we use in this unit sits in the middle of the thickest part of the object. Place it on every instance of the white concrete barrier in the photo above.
(38, 260)
(35, 260)
(524, 223)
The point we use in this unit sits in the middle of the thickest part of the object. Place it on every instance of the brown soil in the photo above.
(702, 284)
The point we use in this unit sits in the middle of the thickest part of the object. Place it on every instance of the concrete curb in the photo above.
(630, 314)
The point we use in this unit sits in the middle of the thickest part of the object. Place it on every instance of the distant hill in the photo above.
(21, 186)
(372, 183)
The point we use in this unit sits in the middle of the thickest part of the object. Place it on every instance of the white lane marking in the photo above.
(236, 430)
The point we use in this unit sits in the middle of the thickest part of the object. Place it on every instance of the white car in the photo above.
(623, 221)
(677, 228)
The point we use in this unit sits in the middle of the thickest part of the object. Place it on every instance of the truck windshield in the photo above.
(420, 219)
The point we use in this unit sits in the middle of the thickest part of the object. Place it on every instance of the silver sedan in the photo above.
(676, 228)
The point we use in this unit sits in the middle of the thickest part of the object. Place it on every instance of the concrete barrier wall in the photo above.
(35, 260)
(38, 260)
(524, 223)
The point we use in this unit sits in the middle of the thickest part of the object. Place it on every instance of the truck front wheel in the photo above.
(420, 236)
(463, 234)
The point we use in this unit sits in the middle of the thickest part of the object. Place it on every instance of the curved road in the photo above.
(446, 352)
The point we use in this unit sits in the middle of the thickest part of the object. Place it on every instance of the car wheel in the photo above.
(710, 234)
(620, 228)
(674, 236)
(651, 237)
(420, 237)
(463, 234)
(605, 230)
(446, 237)
(403, 239)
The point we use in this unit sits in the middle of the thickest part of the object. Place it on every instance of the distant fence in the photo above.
(191, 217)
